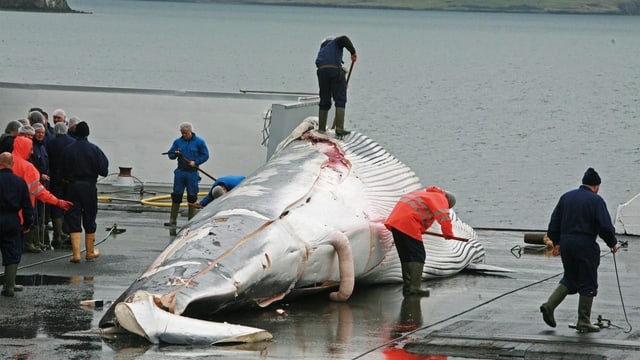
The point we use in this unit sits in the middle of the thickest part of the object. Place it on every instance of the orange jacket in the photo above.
(22, 147)
(415, 213)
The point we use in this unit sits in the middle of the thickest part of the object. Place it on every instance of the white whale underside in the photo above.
(311, 217)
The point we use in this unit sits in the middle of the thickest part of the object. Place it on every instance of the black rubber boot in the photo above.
(554, 300)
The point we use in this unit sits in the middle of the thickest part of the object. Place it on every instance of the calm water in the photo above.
(507, 111)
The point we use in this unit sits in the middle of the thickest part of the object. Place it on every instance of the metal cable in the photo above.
(112, 230)
(624, 309)
(496, 298)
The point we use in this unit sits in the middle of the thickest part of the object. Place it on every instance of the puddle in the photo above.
(45, 280)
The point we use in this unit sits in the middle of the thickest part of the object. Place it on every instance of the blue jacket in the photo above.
(194, 149)
(331, 51)
(581, 213)
(55, 148)
(84, 161)
(229, 182)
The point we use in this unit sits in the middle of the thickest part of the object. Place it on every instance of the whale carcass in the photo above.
(311, 218)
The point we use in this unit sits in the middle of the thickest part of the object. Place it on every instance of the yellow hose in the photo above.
(159, 201)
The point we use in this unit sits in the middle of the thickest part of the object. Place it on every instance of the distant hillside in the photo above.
(606, 7)
(35, 5)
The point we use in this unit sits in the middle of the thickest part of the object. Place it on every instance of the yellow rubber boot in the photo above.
(89, 243)
(75, 246)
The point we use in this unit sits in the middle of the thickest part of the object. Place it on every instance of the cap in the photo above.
(450, 198)
(591, 177)
(82, 129)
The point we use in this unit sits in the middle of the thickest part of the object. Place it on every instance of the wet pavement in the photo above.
(468, 316)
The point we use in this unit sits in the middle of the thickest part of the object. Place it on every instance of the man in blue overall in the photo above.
(221, 186)
(578, 219)
(190, 151)
(332, 81)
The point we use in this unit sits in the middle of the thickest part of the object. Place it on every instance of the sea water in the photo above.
(505, 110)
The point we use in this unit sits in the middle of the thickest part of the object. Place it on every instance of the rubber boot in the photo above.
(89, 243)
(584, 315)
(554, 300)
(57, 231)
(406, 279)
(31, 242)
(75, 246)
(340, 131)
(173, 217)
(9, 280)
(415, 279)
(322, 120)
(191, 212)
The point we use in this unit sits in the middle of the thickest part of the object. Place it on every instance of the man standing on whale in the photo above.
(332, 81)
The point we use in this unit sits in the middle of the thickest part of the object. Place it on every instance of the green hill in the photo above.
(614, 7)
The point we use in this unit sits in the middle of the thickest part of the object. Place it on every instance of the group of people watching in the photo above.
(59, 168)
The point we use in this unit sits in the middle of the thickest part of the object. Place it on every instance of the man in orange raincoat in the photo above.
(22, 147)
(410, 218)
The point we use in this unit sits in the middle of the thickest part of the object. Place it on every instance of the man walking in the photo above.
(580, 216)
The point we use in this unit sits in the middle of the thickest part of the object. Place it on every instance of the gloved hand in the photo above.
(195, 205)
(64, 204)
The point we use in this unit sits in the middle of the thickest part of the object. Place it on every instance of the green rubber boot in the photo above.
(340, 131)
(584, 315)
(554, 300)
(322, 120)
(9, 280)
(57, 231)
(406, 279)
(173, 217)
(191, 212)
(415, 280)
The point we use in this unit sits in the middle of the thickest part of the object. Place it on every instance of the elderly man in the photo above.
(578, 219)
(190, 151)
(16, 214)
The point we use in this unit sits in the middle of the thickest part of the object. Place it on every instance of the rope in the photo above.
(499, 297)
(112, 230)
(624, 309)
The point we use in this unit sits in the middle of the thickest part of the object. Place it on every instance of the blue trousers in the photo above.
(185, 180)
(332, 84)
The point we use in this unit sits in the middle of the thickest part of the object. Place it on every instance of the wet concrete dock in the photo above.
(468, 316)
